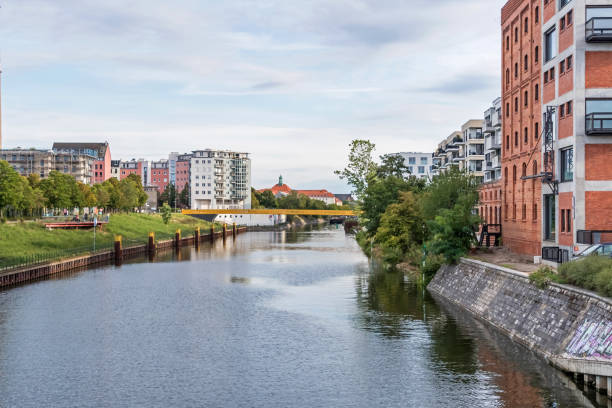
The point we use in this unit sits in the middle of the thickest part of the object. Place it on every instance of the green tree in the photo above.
(60, 190)
(267, 199)
(168, 196)
(360, 166)
(254, 200)
(166, 213)
(10, 188)
(184, 197)
(401, 227)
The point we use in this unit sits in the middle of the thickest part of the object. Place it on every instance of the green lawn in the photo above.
(28, 241)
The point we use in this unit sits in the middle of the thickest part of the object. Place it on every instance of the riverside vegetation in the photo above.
(405, 219)
(594, 273)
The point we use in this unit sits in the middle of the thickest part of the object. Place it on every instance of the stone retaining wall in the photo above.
(572, 328)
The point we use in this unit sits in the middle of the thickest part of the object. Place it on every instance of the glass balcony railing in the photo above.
(598, 123)
(598, 29)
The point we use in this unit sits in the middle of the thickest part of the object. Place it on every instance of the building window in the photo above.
(563, 3)
(526, 62)
(537, 15)
(568, 214)
(536, 92)
(412, 160)
(550, 44)
(567, 164)
(562, 23)
(568, 63)
(507, 144)
(526, 25)
(421, 169)
(507, 76)
(534, 216)
(562, 220)
(536, 56)
(535, 168)
(526, 136)
(516, 69)
(546, 77)
(550, 217)
(562, 110)
(562, 67)
(526, 99)
(515, 34)
(424, 160)
(516, 104)
(507, 42)
(524, 212)
(569, 108)
(516, 138)
(507, 109)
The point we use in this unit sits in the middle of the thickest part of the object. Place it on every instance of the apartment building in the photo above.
(450, 152)
(116, 169)
(160, 174)
(474, 140)
(41, 162)
(418, 164)
(521, 158)
(141, 167)
(577, 142)
(101, 151)
(220, 179)
(491, 192)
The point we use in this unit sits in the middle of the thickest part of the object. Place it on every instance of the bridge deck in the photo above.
(272, 212)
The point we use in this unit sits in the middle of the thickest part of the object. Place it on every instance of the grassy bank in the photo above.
(20, 242)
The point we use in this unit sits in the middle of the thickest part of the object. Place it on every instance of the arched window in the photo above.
(507, 42)
(526, 135)
(526, 25)
(537, 14)
(526, 99)
(515, 34)
(524, 170)
(526, 63)
(507, 141)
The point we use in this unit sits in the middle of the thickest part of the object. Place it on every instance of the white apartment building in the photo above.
(220, 179)
(419, 164)
(474, 148)
(493, 145)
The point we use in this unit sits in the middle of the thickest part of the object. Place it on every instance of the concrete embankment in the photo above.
(43, 270)
(569, 327)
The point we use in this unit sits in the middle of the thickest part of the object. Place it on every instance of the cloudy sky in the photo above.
(291, 82)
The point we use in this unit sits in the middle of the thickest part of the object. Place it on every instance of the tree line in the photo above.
(28, 196)
(292, 201)
(407, 219)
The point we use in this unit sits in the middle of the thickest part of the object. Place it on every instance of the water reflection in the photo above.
(285, 318)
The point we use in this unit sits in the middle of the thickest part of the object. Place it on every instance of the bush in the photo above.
(544, 276)
(583, 273)
(603, 281)
(432, 264)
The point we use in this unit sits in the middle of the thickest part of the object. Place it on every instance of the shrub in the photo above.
(432, 264)
(603, 281)
(583, 272)
(544, 276)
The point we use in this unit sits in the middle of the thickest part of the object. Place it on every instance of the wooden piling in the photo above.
(118, 250)
(177, 239)
(234, 231)
(151, 247)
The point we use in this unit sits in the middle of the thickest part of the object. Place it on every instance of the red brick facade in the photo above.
(521, 199)
(598, 69)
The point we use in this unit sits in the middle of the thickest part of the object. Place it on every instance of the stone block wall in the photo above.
(559, 322)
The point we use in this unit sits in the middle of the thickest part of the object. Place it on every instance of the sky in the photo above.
(290, 82)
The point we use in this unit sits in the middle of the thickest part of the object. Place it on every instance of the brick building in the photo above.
(182, 171)
(521, 125)
(160, 174)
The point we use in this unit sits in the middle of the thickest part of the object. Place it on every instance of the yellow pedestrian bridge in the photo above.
(274, 211)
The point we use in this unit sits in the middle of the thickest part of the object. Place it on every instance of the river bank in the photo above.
(569, 327)
(20, 242)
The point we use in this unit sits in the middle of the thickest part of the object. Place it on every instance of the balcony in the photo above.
(598, 123)
(598, 29)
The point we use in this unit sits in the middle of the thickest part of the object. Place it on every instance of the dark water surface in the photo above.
(275, 319)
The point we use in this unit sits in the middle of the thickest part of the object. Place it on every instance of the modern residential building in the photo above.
(42, 162)
(450, 152)
(182, 168)
(160, 174)
(490, 191)
(116, 169)
(419, 164)
(576, 151)
(220, 179)
(101, 151)
(139, 167)
(0, 109)
(521, 22)
(474, 148)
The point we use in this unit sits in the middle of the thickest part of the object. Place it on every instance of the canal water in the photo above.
(274, 319)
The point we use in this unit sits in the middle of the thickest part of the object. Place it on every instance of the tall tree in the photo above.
(360, 166)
